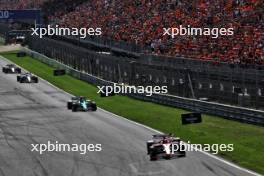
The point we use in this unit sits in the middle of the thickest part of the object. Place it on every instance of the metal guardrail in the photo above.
(231, 112)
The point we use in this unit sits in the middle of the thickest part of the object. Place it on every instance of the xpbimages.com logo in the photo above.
(61, 31)
(193, 31)
(172, 148)
(126, 89)
(59, 147)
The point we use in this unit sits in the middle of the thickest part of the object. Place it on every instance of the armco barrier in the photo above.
(226, 111)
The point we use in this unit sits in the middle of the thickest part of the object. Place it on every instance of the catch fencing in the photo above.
(226, 111)
(184, 78)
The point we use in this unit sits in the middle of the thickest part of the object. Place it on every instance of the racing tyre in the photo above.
(183, 154)
(35, 79)
(18, 70)
(153, 156)
(18, 78)
(23, 80)
(94, 107)
(74, 108)
(148, 146)
(4, 70)
(69, 105)
(167, 157)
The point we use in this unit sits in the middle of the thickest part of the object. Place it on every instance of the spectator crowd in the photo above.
(21, 4)
(142, 22)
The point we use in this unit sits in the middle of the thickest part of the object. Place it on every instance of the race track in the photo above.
(36, 113)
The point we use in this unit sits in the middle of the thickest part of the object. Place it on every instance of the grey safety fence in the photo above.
(219, 83)
(226, 111)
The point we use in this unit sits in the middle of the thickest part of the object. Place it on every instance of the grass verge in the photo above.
(248, 139)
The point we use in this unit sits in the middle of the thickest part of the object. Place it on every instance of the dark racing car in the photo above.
(164, 146)
(81, 104)
(11, 68)
(27, 78)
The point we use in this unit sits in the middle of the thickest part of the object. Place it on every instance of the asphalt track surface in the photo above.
(36, 114)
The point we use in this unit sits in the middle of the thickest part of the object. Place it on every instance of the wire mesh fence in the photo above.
(226, 111)
(222, 83)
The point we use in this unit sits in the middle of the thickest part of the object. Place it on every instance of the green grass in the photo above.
(248, 139)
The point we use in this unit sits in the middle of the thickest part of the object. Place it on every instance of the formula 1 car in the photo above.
(81, 104)
(11, 68)
(27, 78)
(164, 146)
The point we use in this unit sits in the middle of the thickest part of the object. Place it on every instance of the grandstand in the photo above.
(142, 21)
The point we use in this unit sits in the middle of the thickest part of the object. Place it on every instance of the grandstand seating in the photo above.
(21, 4)
(142, 22)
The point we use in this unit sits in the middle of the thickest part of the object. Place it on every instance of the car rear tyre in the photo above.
(69, 105)
(74, 108)
(35, 79)
(153, 157)
(94, 107)
(167, 157)
(148, 146)
(23, 80)
(18, 78)
(18, 70)
(183, 154)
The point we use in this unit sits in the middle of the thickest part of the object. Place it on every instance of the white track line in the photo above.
(152, 129)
